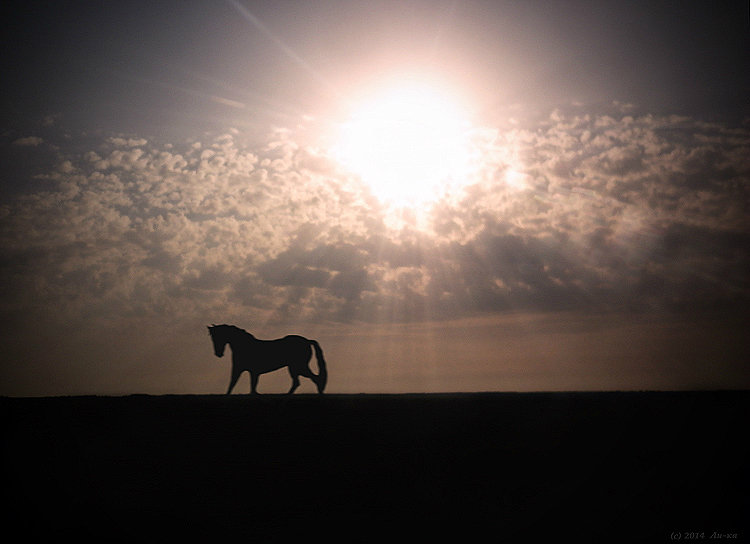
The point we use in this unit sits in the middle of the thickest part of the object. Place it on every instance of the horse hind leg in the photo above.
(295, 381)
(307, 373)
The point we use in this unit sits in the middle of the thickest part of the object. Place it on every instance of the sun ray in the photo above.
(288, 51)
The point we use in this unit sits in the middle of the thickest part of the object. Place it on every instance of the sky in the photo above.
(448, 196)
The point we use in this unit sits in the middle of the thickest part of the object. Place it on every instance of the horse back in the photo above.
(294, 337)
(289, 345)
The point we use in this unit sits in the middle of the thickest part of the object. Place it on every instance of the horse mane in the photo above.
(236, 329)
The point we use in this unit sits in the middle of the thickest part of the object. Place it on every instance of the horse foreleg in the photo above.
(254, 383)
(233, 380)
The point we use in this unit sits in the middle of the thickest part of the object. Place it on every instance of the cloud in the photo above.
(601, 200)
(128, 142)
(570, 212)
(29, 141)
(133, 228)
(575, 214)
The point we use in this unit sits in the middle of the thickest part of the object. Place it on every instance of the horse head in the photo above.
(220, 340)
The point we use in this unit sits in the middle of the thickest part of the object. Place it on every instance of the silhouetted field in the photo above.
(569, 466)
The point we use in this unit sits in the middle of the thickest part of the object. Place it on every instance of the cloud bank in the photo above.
(578, 211)
(572, 212)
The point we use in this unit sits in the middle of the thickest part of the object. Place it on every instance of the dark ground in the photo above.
(506, 467)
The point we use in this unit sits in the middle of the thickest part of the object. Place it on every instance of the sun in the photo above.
(407, 141)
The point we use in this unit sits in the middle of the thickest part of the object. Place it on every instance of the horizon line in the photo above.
(403, 394)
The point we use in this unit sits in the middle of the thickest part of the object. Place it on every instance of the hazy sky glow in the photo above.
(565, 208)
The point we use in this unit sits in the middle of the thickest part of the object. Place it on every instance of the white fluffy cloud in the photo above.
(574, 211)
(132, 227)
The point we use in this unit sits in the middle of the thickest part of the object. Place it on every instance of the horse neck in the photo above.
(239, 338)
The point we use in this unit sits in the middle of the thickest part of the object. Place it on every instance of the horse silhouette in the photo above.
(261, 356)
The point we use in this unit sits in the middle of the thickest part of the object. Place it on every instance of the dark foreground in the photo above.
(504, 467)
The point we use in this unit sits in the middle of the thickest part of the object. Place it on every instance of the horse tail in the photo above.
(322, 376)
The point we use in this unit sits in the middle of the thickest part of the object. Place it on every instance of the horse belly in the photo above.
(268, 365)
(288, 351)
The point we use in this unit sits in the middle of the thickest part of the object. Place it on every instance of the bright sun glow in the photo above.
(408, 142)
